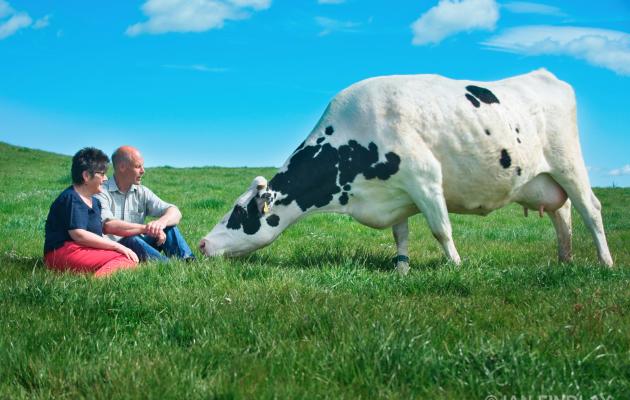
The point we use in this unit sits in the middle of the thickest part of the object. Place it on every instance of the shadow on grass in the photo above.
(23, 262)
(359, 257)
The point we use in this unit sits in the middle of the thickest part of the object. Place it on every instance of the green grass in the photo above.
(319, 313)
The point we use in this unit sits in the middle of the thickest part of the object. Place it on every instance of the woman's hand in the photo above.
(90, 239)
(126, 251)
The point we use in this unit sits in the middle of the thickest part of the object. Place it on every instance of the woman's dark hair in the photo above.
(88, 159)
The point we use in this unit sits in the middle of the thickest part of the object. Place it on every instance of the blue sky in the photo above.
(242, 82)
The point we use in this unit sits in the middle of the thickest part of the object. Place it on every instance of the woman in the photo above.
(74, 229)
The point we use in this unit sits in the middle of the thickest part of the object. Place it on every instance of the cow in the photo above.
(389, 147)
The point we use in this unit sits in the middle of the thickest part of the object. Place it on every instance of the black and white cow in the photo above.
(389, 147)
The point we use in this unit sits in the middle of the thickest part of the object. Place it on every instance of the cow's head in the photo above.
(247, 227)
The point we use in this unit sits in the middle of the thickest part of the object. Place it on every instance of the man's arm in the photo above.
(167, 214)
(171, 217)
(112, 225)
(119, 227)
(122, 228)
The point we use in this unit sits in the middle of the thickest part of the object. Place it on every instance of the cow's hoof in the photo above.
(606, 260)
(402, 268)
(565, 258)
(456, 260)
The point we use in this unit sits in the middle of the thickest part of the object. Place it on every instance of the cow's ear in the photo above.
(253, 191)
(260, 182)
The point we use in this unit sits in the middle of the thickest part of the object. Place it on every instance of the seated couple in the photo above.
(94, 206)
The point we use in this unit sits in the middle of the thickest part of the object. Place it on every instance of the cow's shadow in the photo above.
(361, 258)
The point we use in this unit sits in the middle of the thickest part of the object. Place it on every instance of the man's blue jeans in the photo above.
(146, 249)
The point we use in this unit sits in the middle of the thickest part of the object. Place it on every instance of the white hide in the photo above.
(450, 155)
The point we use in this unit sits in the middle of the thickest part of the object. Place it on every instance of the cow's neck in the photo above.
(320, 176)
(309, 181)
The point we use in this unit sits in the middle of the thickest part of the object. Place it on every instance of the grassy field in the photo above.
(319, 313)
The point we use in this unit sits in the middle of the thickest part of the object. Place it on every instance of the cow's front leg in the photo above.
(401, 236)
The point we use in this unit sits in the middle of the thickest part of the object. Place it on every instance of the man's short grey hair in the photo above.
(120, 157)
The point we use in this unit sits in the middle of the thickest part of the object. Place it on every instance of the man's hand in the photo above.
(161, 238)
(155, 228)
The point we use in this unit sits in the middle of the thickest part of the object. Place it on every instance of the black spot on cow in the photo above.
(343, 199)
(518, 140)
(248, 219)
(517, 130)
(355, 159)
(347, 188)
(329, 130)
(474, 101)
(505, 160)
(312, 174)
(273, 220)
(311, 177)
(384, 170)
(320, 140)
(488, 132)
(484, 95)
(518, 171)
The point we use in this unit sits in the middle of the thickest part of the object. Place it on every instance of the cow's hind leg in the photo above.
(401, 236)
(429, 199)
(583, 199)
(561, 219)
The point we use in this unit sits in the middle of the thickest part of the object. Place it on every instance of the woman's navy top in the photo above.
(69, 212)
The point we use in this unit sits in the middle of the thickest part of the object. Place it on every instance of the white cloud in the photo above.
(5, 9)
(625, 170)
(196, 67)
(331, 1)
(523, 7)
(605, 48)
(452, 16)
(193, 16)
(42, 22)
(12, 20)
(15, 23)
(329, 25)
(256, 4)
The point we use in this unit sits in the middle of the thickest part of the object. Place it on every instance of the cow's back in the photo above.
(489, 138)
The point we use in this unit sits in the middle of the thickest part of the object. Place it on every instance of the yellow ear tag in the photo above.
(265, 208)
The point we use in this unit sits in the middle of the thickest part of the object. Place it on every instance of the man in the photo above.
(124, 205)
